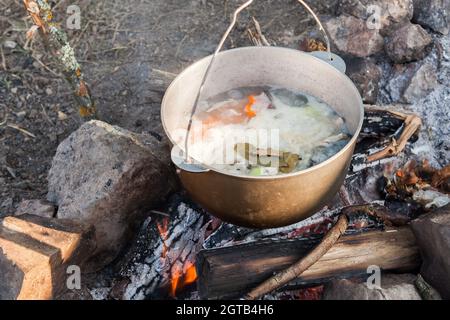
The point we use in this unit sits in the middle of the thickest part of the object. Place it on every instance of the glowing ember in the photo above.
(175, 278)
(163, 229)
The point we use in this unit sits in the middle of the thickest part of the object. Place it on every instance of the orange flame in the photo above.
(180, 280)
(191, 275)
(175, 278)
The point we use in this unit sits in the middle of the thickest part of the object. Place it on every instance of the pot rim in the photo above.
(283, 176)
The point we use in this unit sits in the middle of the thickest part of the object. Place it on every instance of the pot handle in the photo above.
(328, 57)
(179, 160)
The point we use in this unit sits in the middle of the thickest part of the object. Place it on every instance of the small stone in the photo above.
(35, 253)
(49, 91)
(407, 43)
(40, 208)
(14, 90)
(366, 75)
(393, 287)
(434, 14)
(62, 116)
(351, 36)
(432, 232)
(9, 44)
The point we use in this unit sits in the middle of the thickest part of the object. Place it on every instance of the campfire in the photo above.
(196, 255)
(358, 188)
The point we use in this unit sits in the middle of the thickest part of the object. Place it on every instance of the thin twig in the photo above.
(26, 132)
(3, 58)
(412, 123)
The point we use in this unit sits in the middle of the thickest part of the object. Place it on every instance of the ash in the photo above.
(433, 143)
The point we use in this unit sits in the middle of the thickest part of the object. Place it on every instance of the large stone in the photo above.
(351, 36)
(434, 14)
(432, 231)
(102, 174)
(378, 13)
(36, 207)
(366, 75)
(393, 287)
(411, 82)
(35, 253)
(407, 43)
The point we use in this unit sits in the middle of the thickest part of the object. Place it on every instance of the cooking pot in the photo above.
(263, 201)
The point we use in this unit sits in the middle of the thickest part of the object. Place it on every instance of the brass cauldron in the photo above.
(271, 201)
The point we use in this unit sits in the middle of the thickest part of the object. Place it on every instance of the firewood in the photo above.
(289, 274)
(230, 272)
(302, 265)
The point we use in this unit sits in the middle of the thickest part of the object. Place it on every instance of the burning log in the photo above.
(232, 271)
(348, 213)
(161, 262)
(303, 264)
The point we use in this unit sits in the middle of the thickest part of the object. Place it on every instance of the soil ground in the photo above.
(122, 45)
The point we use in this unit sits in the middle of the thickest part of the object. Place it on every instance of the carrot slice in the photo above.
(248, 108)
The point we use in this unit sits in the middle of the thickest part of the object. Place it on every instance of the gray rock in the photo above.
(378, 13)
(101, 174)
(407, 43)
(393, 287)
(421, 84)
(366, 75)
(411, 82)
(432, 231)
(36, 207)
(351, 36)
(434, 14)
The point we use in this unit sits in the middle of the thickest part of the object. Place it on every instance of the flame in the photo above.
(175, 278)
(190, 275)
(179, 279)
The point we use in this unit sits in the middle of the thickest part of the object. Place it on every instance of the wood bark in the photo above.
(231, 272)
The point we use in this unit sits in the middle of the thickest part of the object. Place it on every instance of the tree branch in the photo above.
(57, 44)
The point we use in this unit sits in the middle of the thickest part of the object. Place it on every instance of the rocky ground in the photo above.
(130, 51)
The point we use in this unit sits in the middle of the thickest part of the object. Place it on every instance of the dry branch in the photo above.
(56, 42)
(412, 123)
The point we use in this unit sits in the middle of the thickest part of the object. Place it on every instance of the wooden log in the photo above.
(231, 272)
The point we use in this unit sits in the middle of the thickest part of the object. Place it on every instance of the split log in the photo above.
(165, 248)
(289, 274)
(233, 271)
